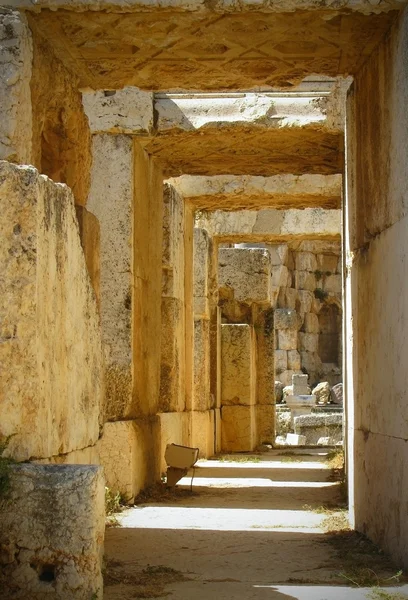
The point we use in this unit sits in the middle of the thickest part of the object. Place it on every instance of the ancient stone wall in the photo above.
(308, 317)
(15, 94)
(51, 384)
(376, 292)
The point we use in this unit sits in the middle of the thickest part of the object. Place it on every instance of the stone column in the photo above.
(202, 416)
(127, 197)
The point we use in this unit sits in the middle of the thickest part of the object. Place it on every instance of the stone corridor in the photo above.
(203, 215)
(265, 526)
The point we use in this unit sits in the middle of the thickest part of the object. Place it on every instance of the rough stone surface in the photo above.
(202, 432)
(238, 428)
(51, 383)
(201, 391)
(90, 234)
(322, 392)
(208, 51)
(61, 135)
(230, 192)
(377, 293)
(238, 375)
(278, 392)
(51, 533)
(285, 319)
(123, 111)
(15, 94)
(110, 199)
(175, 428)
(247, 272)
(316, 426)
(202, 249)
(337, 393)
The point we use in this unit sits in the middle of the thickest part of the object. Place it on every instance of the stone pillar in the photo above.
(265, 375)
(127, 197)
(202, 417)
(238, 388)
(51, 532)
(90, 234)
(111, 201)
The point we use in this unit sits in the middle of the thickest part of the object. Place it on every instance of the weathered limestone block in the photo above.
(238, 370)
(15, 93)
(322, 392)
(304, 280)
(173, 243)
(202, 432)
(337, 393)
(305, 299)
(90, 234)
(201, 383)
(287, 298)
(279, 276)
(333, 283)
(265, 423)
(284, 191)
(175, 428)
(51, 533)
(286, 377)
(308, 342)
(110, 199)
(238, 432)
(278, 391)
(318, 425)
(172, 397)
(128, 110)
(327, 262)
(202, 249)
(294, 362)
(305, 261)
(285, 318)
(281, 360)
(51, 364)
(311, 362)
(300, 385)
(130, 452)
(287, 339)
(311, 323)
(247, 272)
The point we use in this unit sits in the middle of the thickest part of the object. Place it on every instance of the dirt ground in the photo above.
(266, 527)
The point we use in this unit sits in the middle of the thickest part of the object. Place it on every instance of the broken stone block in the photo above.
(278, 392)
(337, 393)
(305, 261)
(308, 342)
(293, 439)
(322, 392)
(285, 318)
(287, 339)
(265, 423)
(51, 533)
(318, 425)
(238, 432)
(238, 380)
(294, 362)
(300, 385)
(287, 390)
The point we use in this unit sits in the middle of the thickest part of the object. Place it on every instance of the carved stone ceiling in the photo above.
(248, 151)
(169, 50)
